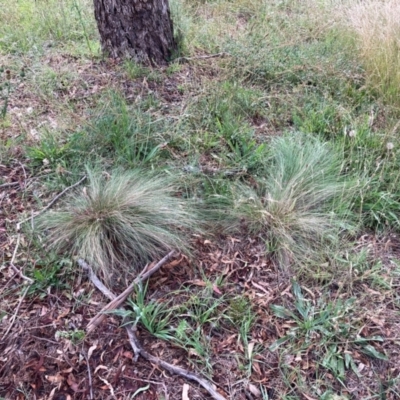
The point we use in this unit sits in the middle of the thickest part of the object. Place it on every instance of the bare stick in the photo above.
(95, 280)
(16, 248)
(51, 203)
(16, 312)
(204, 57)
(137, 348)
(26, 278)
(4, 185)
(169, 367)
(23, 169)
(26, 290)
(115, 303)
(89, 375)
(10, 184)
(17, 271)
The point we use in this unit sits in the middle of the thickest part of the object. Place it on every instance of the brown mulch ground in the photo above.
(37, 363)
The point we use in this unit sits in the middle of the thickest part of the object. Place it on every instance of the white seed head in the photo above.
(353, 133)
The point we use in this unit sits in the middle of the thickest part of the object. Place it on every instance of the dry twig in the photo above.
(115, 303)
(29, 280)
(203, 57)
(26, 278)
(169, 367)
(16, 312)
(137, 348)
(89, 375)
(50, 204)
(4, 185)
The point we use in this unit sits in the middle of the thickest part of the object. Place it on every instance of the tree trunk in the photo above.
(138, 29)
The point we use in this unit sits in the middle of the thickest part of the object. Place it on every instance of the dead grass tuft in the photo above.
(376, 24)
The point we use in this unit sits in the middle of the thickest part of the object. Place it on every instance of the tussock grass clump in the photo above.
(377, 26)
(117, 224)
(301, 207)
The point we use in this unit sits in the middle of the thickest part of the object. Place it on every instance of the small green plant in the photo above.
(243, 151)
(188, 324)
(240, 315)
(173, 68)
(76, 336)
(364, 268)
(119, 222)
(327, 328)
(202, 308)
(194, 322)
(194, 340)
(154, 316)
(239, 308)
(51, 82)
(50, 271)
(49, 151)
(135, 70)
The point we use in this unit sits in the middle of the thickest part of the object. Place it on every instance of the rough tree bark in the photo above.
(138, 29)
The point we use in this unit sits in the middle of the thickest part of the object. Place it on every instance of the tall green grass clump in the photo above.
(302, 206)
(373, 157)
(376, 24)
(121, 222)
(122, 134)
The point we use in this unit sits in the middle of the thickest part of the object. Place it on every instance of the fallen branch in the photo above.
(50, 204)
(115, 303)
(169, 367)
(137, 348)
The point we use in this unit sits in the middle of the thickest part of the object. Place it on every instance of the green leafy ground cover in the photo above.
(273, 166)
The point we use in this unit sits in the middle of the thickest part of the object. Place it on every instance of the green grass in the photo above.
(372, 157)
(190, 322)
(289, 140)
(123, 135)
(118, 135)
(325, 331)
(42, 25)
(332, 322)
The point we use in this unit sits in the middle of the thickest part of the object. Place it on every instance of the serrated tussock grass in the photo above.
(302, 206)
(119, 223)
